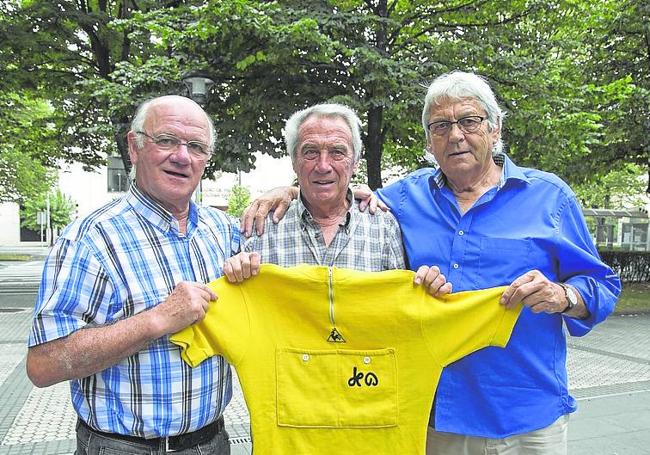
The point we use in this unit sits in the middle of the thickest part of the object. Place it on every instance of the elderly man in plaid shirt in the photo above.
(120, 280)
(324, 226)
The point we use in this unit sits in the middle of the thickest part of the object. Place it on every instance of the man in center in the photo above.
(324, 225)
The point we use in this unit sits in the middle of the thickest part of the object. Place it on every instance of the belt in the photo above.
(171, 443)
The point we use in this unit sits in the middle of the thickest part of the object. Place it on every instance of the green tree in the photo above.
(238, 199)
(61, 206)
(619, 62)
(27, 147)
(618, 189)
(65, 52)
(575, 85)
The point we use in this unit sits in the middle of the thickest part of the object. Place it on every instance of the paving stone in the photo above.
(15, 326)
(623, 335)
(47, 414)
(12, 354)
(589, 369)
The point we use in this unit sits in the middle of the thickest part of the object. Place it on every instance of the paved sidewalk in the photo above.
(37, 252)
(609, 374)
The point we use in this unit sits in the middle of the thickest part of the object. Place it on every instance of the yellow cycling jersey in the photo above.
(341, 361)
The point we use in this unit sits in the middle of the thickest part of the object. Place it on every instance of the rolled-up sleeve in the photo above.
(580, 266)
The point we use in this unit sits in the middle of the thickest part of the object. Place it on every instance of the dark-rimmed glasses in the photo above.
(468, 124)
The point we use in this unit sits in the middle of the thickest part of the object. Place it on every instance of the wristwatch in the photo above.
(571, 298)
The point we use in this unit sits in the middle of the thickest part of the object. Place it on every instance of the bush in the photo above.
(238, 200)
(62, 209)
(631, 266)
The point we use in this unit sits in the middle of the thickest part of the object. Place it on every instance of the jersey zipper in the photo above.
(334, 336)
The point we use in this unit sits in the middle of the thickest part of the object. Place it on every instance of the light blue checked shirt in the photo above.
(122, 259)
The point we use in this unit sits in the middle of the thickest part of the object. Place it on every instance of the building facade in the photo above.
(90, 190)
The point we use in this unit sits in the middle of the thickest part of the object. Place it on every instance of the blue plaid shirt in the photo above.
(122, 259)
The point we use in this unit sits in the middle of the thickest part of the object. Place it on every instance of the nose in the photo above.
(455, 133)
(181, 155)
(323, 164)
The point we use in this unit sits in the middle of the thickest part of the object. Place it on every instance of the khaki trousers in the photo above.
(551, 440)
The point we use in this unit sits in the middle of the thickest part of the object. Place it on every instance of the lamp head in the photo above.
(198, 86)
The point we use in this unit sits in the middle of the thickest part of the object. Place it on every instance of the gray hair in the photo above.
(137, 124)
(322, 110)
(459, 85)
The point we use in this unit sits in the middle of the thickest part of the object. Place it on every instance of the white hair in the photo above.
(140, 117)
(463, 85)
(331, 110)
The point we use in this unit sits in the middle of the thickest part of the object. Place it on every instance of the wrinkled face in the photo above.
(324, 161)
(170, 176)
(458, 152)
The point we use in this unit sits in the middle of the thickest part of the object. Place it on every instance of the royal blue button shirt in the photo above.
(531, 220)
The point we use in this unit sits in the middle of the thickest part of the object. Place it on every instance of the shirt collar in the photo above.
(156, 214)
(305, 216)
(509, 170)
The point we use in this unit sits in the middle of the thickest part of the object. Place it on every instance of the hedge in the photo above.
(631, 266)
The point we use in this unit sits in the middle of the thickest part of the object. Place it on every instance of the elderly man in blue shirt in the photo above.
(120, 280)
(487, 222)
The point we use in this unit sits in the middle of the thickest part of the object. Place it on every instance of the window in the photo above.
(118, 180)
(635, 236)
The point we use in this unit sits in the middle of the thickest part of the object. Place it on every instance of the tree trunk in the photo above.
(121, 127)
(374, 145)
(376, 133)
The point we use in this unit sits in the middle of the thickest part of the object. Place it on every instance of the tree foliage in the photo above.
(61, 210)
(575, 84)
(27, 147)
(619, 64)
(238, 200)
(619, 188)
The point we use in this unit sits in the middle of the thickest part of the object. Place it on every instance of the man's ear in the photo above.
(133, 147)
(495, 134)
(355, 167)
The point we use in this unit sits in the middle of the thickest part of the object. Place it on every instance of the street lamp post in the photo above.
(198, 87)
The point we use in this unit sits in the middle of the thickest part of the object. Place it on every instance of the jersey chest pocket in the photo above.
(336, 388)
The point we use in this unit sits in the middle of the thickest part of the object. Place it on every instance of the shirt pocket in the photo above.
(336, 388)
(502, 260)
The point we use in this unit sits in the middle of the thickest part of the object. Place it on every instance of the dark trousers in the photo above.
(91, 442)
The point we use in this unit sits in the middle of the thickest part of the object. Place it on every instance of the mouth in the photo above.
(175, 174)
(323, 182)
(459, 153)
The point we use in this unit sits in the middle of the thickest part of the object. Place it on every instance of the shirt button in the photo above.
(366, 360)
(305, 357)
(455, 266)
(461, 232)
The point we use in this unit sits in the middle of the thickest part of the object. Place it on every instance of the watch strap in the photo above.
(570, 296)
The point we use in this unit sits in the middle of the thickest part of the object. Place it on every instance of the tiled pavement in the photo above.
(41, 421)
(609, 372)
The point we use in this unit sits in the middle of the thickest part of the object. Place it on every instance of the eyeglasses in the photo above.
(167, 142)
(467, 124)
